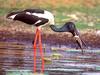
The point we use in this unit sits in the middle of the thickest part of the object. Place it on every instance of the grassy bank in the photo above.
(86, 12)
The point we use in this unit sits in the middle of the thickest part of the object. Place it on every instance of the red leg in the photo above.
(34, 48)
(41, 52)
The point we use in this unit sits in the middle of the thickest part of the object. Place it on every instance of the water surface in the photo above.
(18, 55)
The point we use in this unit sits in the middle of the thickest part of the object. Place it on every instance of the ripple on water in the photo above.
(19, 55)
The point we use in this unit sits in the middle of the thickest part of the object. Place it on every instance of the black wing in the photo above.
(30, 19)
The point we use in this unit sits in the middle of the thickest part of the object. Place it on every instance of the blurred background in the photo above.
(85, 12)
(61, 50)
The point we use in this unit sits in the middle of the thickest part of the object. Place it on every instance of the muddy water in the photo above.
(62, 60)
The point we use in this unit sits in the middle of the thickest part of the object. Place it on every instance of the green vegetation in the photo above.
(60, 8)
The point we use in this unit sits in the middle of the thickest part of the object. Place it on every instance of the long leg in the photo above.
(34, 48)
(41, 52)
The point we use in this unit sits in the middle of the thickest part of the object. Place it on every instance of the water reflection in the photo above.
(19, 55)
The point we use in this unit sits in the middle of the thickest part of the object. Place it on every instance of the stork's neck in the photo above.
(65, 28)
(56, 29)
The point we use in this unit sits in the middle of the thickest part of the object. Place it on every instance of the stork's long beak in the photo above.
(79, 42)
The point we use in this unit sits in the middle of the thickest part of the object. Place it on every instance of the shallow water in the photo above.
(18, 55)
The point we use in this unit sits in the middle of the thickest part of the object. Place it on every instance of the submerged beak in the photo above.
(79, 42)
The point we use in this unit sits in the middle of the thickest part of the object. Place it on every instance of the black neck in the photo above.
(56, 29)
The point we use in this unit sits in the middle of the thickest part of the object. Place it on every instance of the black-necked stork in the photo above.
(70, 27)
(38, 18)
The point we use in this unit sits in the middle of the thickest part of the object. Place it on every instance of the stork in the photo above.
(39, 18)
